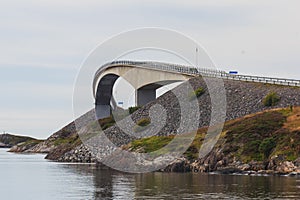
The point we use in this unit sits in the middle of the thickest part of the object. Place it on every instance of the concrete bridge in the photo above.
(147, 77)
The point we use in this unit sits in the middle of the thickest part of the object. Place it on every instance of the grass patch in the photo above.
(133, 109)
(151, 144)
(272, 99)
(64, 141)
(255, 135)
(196, 93)
(142, 124)
(105, 123)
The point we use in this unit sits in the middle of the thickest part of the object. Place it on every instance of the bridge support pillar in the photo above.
(145, 95)
(104, 96)
(103, 111)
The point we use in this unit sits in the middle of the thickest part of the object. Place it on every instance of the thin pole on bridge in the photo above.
(196, 57)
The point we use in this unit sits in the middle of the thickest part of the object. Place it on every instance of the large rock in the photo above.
(297, 162)
(286, 167)
(179, 165)
(81, 154)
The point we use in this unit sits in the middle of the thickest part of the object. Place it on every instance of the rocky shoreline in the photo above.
(277, 165)
(2, 145)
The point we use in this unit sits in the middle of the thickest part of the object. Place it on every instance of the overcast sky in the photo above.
(43, 44)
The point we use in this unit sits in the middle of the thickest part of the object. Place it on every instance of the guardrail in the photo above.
(188, 70)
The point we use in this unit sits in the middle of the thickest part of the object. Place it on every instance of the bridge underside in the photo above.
(145, 87)
(104, 96)
(147, 93)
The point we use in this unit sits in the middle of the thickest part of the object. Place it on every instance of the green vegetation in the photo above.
(260, 136)
(65, 141)
(105, 123)
(150, 144)
(271, 99)
(254, 137)
(23, 146)
(133, 109)
(32, 142)
(196, 93)
(266, 146)
(154, 145)
(192, 152)
(291, 108)
(67, 138)
(142, 124)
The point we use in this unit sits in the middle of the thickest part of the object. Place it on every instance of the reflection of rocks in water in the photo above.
(103, 184)
(204, 186)
(111, 184)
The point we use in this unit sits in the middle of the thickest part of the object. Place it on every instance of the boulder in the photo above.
(297, 162)
(286, 167)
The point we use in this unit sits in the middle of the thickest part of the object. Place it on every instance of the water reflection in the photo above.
(196, 186)
(110, 184)
(35, 178)
(106, 183)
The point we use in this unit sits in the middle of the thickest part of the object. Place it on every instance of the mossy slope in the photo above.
(254, 137)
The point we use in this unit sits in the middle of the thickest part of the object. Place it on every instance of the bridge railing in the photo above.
(182, 69)
(269, 80)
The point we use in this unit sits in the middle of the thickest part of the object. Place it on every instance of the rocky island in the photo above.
(9, 140)
(261, 134)
(2, 145)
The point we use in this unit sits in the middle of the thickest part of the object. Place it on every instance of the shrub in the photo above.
(271, 99)
(106, 122)
(144, 122)
(252, 147)
(291, 108)
(133, 109)
(266, 146)
(106, 126)
(197, 93)
(141, 124)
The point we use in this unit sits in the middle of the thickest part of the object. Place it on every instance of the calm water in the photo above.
(32, 177)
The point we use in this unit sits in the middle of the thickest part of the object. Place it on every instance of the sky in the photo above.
(43, 44)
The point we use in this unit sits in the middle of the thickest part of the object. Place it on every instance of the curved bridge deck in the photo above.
(192, 71)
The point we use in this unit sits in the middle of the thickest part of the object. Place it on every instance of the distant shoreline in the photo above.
(4, 146)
